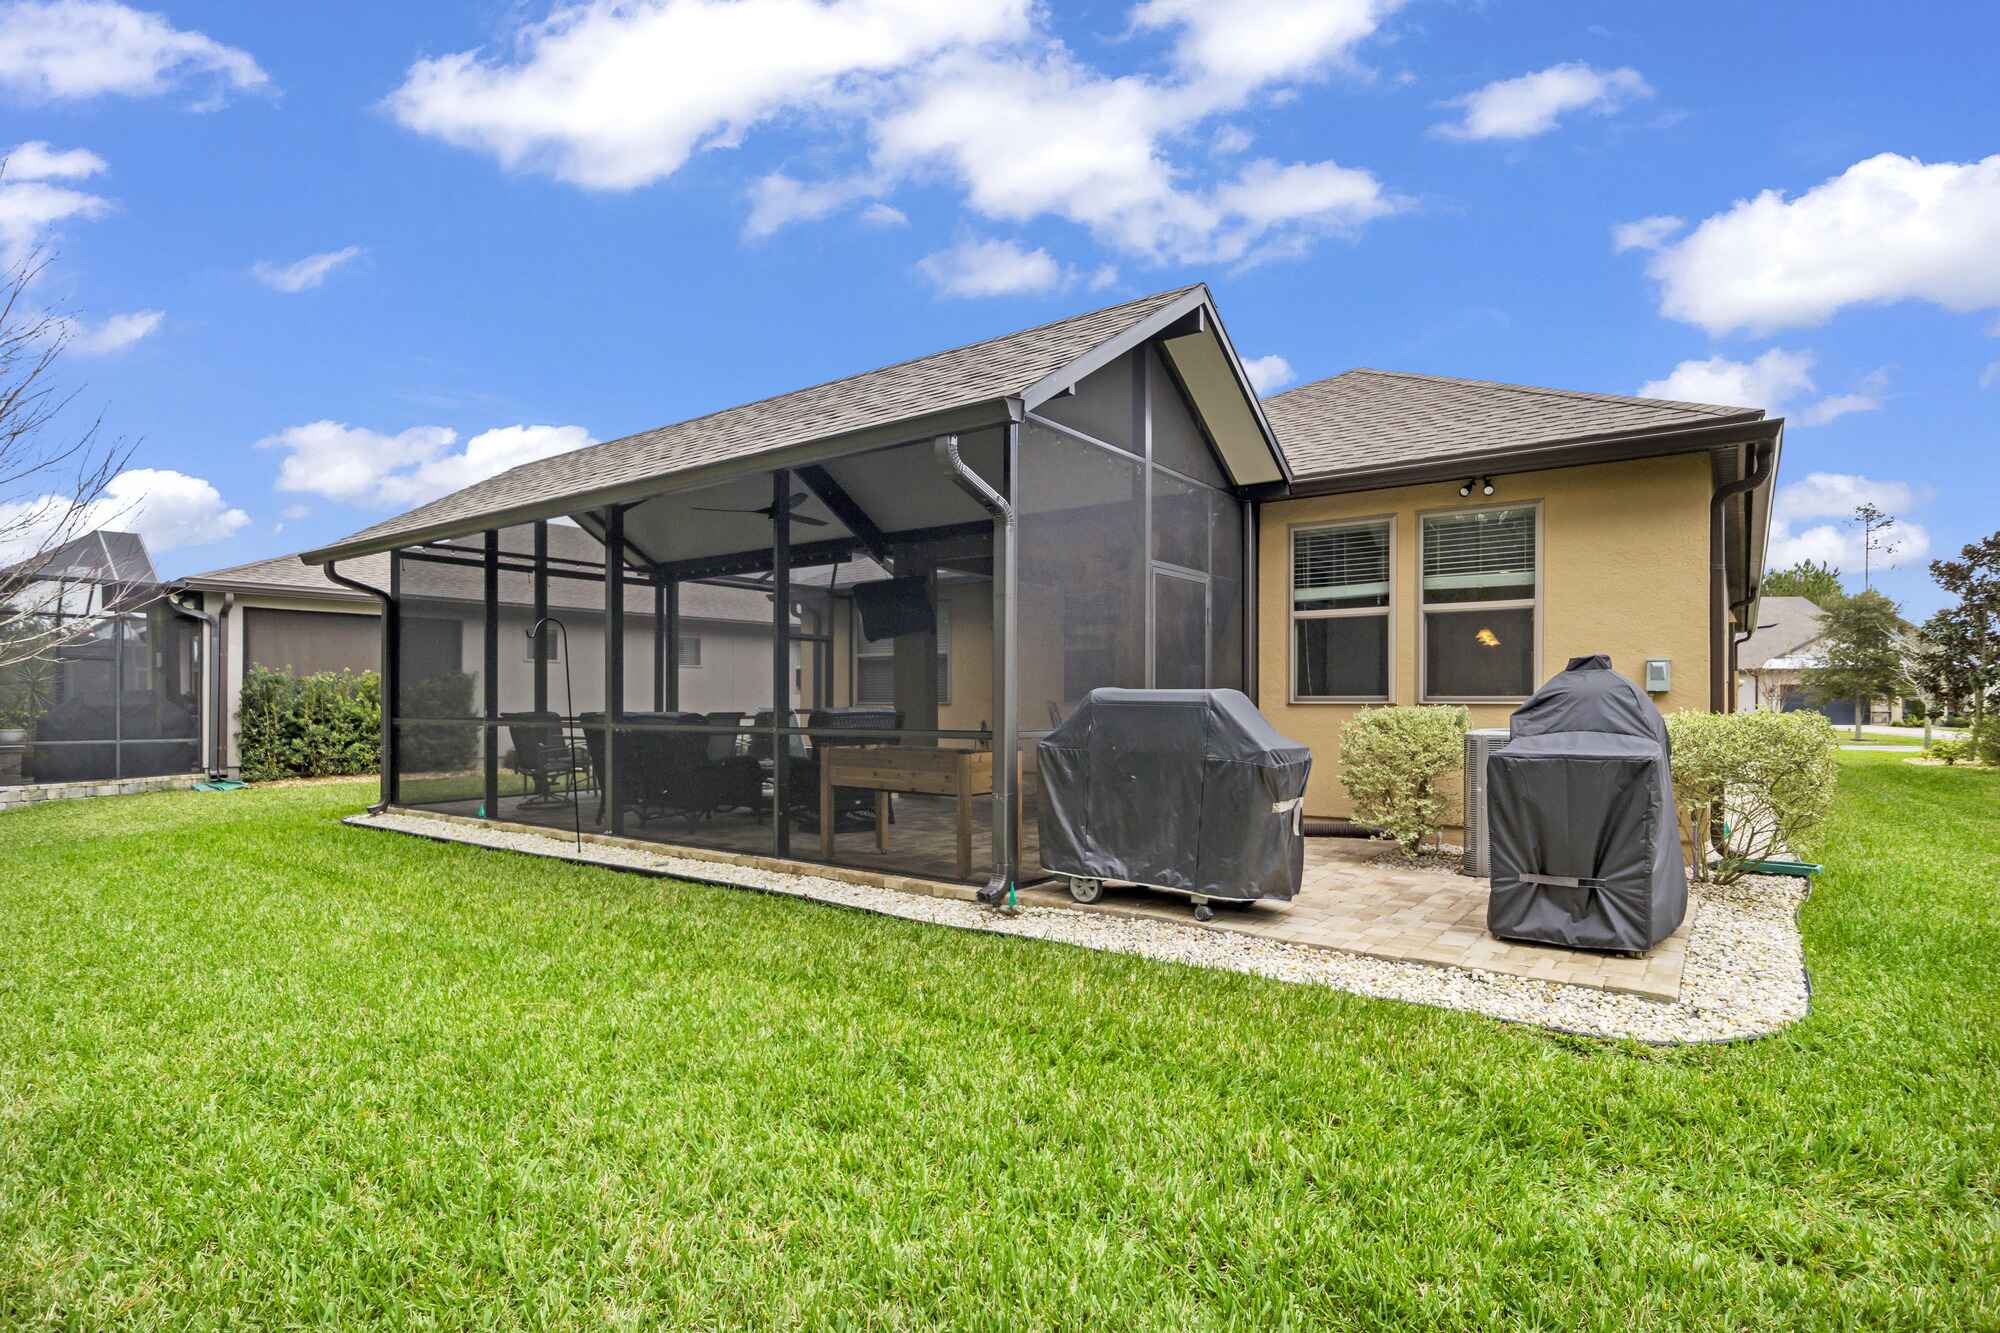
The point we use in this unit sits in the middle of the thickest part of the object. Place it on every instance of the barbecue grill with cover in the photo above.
(1580, 804)
(1188, 790)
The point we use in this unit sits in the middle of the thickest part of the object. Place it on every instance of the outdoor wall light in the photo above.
(1485, 485)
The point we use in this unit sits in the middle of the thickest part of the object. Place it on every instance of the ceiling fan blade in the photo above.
(808, 518)
(711, 509)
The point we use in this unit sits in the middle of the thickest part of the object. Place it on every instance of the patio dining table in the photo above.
(911, 769)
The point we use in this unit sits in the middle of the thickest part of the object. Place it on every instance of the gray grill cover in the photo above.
(1580, 805)
(1181, 789)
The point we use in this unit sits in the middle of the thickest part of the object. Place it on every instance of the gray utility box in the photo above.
(1479, 743)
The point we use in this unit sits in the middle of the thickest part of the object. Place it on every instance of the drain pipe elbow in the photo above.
(386, 678)
(1001, 884)
(1760, 471)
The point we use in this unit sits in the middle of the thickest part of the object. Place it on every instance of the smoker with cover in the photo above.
(1186, 790)
(1580, 806)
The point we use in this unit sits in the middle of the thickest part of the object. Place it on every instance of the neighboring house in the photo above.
(284, 615)
(1115, 484)
(113, 685)
(1771, 662)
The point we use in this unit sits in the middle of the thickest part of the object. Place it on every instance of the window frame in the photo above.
(1533, 605)
(684, 642)
(1293, 615)
(859, 643)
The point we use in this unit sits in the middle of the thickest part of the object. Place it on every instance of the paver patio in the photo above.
(1360, 897)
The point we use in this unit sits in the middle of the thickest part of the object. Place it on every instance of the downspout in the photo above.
(1720, 648)
(1006, 695)
(222, 684)
(213, 729)
(386, 681)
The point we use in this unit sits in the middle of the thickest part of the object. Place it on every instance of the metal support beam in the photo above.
(614, 661)
(489, 735)
(1006, 684)
(945, 542)
(1249, 587)
(843, 506)
(667, 601)
(781, 651)
(546, 635)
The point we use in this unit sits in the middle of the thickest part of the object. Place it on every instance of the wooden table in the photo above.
(914, 769)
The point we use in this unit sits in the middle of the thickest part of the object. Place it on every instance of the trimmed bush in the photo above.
(1393, 762)
(1750, 786)
(439, 747)
(1950, 751)
(323, 725)
(1983, 742)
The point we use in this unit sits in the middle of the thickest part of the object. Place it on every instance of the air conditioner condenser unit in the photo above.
(1479, 743)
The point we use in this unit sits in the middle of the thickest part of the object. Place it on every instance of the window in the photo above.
(1340, 611)
(550, 644)
(690, 650)
(1480, 588)
(875, 664)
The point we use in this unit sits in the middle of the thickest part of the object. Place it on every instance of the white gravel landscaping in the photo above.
(1744, 977)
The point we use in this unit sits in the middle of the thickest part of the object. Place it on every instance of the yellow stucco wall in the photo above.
(1624, 571)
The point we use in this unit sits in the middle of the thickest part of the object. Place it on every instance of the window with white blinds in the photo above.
(1480, 604)
(1338, 568)
(1340, 611)
(1486, 555)
(875, 663)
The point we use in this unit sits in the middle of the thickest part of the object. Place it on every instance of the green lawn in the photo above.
(259, 1068)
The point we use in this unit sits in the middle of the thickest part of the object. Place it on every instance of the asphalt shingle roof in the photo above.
(1784, 625)
(285, 575)
(1365, 419)
(960, 377)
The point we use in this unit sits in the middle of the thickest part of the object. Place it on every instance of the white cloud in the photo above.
(36, 161)
(1232, 139)
(1890, 228)
(30, 205)
(1645, 234)
(1269, 373)
(1251, 43)
(616, 96)
(54, 50)
(114, 334)
(1523, 107)
(355, 465)
(302, 275)
(1813, 519)
(169, 509)
(293, 513)
(1771, 380)
(992, 268)
(884, 215)
(1103, 276)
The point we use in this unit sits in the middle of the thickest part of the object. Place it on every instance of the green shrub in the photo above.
(439, 747)
(1950, 751)
(1391, 762)
(1750, 786)
(323, 725)
(1983, 742)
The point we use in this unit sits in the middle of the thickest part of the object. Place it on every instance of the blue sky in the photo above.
(328, 261)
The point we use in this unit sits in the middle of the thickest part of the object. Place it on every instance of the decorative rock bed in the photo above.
(1744, 977)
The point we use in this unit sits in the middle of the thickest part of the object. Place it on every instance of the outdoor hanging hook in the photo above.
(569, 711)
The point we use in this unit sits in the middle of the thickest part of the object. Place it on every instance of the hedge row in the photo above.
(323, 725)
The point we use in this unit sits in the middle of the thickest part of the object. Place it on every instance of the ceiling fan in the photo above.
(769, 511)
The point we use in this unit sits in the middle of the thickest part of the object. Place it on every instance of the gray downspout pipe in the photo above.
(1006, 695)
(222, 684)
(213, 730)
(1719, 645)
(387, 680)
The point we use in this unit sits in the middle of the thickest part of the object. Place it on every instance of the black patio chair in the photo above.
(544, 756)
(853, 807)
(730, 778)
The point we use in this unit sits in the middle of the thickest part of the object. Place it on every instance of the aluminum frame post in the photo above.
(781, 652)
(490, 670)
(614, 660)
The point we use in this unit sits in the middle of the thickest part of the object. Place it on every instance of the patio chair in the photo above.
(729, 779)
(545, 756)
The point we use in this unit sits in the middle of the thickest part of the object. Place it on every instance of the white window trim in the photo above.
(1294, 615)
(1533, 604)
(860, 651)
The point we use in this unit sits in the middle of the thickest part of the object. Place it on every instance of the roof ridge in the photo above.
(1548, 391)
(862, 374)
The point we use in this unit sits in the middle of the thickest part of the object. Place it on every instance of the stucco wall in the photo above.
(1624, 571)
